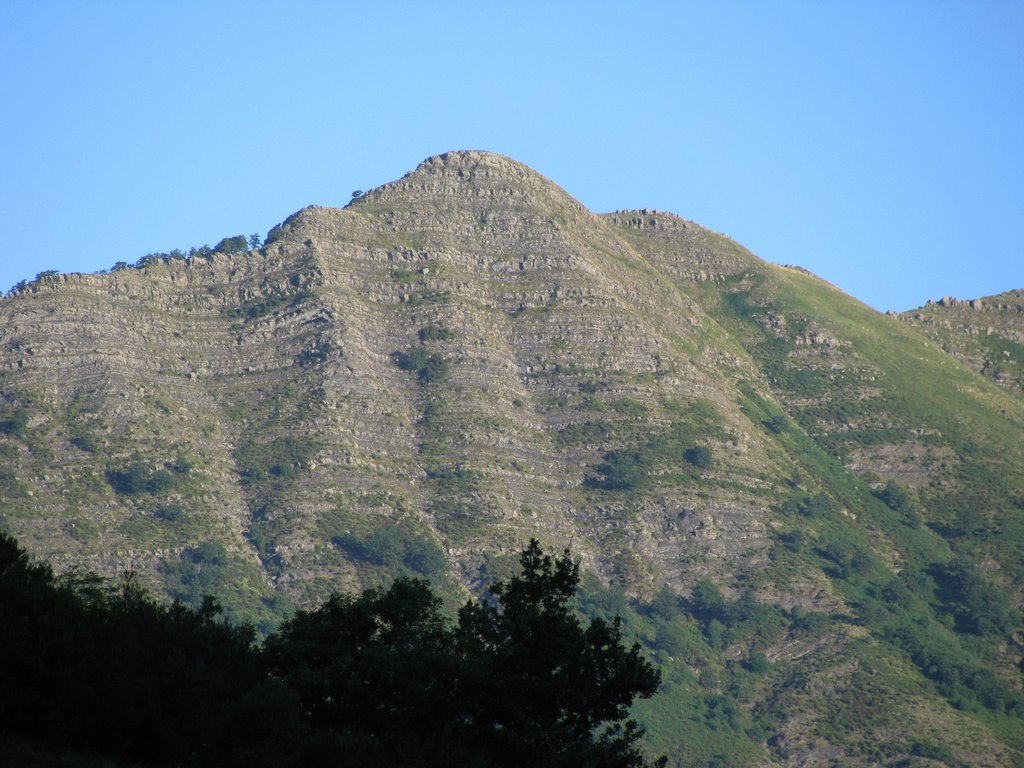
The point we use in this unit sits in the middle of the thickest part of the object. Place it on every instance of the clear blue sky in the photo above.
(878, 144)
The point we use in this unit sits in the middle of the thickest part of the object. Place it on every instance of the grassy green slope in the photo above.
(909, 499)
(987, 334)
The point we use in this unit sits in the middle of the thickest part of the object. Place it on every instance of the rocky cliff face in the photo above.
(987, 333)
(539, 341)
(466, 358)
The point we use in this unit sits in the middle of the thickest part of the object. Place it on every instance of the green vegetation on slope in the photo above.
(810, 515)
(924, 559)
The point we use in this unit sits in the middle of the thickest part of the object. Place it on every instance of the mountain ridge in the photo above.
(466, 358)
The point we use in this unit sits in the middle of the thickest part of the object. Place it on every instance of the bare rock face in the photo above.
(458, 352)
(539, 341)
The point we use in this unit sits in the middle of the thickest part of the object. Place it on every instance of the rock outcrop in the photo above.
(987, 334)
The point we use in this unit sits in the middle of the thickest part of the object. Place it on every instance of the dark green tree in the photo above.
(430, 367)
(776, 424)
(540, 689)
(699, 456)
(375, 668)
(978, 607)
(101, 669)
(623, 470)
(236, 244)
(383, 678)
(707, 601)
(901, 501)
(517, 681)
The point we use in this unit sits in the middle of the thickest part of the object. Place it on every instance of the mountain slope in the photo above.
(867, 390)
(987, 334)
(786, 494)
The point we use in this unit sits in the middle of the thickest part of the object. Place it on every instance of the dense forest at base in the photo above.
(549, 669)
(101, 674)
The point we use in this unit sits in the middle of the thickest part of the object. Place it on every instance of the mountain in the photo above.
(987, 333)
(809, 512)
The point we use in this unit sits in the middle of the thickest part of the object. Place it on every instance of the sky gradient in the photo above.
(878, 144)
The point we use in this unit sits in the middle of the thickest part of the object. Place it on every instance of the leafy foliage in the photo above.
(901, 501)
(776, 424)
(279, 459)
(383, 678)
(978, 607)
(262, 306)
(435, 333)
(671, 452)
(200, 571)
(139, 478)
(428, 366)
(13, 421)
(699, 456)
(104, 670)
(394, 546)
(236, 244)
(566, 681)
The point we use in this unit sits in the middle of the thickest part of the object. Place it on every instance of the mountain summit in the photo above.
(809, 511)
(494, 179)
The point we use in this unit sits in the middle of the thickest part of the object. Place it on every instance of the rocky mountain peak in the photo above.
(746, 460)
(481, 179)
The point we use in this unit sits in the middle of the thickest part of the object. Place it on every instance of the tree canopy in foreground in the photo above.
(383, 678)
